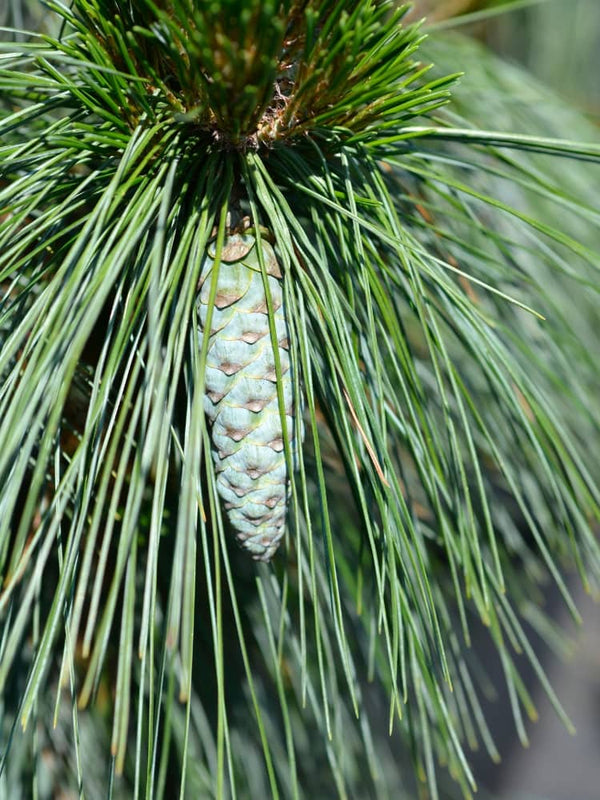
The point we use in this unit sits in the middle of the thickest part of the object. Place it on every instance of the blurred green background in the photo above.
(558, 42)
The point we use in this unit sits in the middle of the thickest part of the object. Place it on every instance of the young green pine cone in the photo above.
(241, 398)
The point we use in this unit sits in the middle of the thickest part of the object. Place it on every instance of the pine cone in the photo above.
(241, 392)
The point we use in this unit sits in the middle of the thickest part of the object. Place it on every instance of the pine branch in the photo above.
(191, 192)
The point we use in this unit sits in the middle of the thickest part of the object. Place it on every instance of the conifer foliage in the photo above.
(256, 277)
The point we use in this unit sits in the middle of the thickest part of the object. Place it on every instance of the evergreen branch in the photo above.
(412, 275)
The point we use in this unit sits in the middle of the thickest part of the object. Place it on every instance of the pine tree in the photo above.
(265, 277)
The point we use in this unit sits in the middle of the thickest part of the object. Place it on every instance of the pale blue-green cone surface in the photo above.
(241, 397)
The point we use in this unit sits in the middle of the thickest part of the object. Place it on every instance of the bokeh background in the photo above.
(558, 42)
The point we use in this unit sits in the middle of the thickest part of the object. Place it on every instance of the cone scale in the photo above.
(241, 390)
